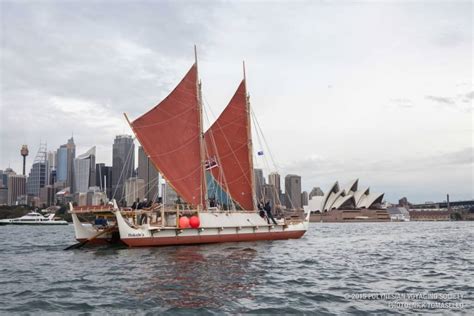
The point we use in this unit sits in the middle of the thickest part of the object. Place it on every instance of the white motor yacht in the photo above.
(33, 218)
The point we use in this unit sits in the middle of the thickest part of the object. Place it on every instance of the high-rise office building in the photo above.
(259, 182)
(84, 171)
(65, 156)
(293, 191)
(5, 174)
(103, 176)
(148, 172)
(304, 198)
(16, 187)
(46, 195)
(123, 164)
(51, 157)
(274, 179)
(38, 176)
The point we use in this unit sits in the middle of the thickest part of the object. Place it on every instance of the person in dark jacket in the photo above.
(268, 210)
(261, 210)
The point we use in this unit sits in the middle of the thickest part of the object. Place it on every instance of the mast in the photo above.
(249, 132)
(202, 204)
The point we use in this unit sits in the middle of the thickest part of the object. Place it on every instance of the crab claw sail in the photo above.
(228, 144)
(170, 134)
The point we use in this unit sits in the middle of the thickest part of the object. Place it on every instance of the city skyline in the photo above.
(385, 94)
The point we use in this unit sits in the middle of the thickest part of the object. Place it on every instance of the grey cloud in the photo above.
(383, 173)
(72, 66)
(438, 99)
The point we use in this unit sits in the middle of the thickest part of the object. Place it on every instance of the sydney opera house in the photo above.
(348, 203)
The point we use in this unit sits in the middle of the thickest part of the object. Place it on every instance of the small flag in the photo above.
(260, 153)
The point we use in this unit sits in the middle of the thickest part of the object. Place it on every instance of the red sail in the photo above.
(170, 135)
(228, 145)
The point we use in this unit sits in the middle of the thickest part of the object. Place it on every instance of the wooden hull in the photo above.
(217, 228)
(187, 240)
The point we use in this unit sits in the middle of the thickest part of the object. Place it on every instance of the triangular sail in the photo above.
(228, 150)
(170, 134)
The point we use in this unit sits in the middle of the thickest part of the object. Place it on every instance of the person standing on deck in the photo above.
(268, 210)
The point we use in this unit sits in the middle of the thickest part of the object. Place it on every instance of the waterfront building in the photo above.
(3, 195)
(274, 179)
(16, 187)
(316, 191)
(84, 171)
(148, 172)
(398, 214)
(123, 164)
(65, 156)
(46, 195)
(259, 182)
(348, 197)
(64, 196)
(304, 198)
(293, 191)
(134, 190)
(103, 176)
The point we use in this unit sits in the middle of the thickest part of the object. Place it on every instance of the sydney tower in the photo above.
(24, 153)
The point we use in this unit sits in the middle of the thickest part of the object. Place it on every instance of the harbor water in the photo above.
(345, 268)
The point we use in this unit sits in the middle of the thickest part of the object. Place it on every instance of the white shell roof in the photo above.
(336, 198)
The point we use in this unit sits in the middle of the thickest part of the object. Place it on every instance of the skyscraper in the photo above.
(38, 176)
(84, 171)
(51, 157)
(5, 174)
(304, 198)
(274, 179)
(148, 172)
(259, 182)
(123, 163)
(103, 176)
(65, 156)
(16, 187)
(293, 191)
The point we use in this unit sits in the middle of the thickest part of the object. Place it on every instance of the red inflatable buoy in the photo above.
(194, 222)
(183, 222)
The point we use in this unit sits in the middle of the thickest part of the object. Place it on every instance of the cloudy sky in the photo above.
(381, 91)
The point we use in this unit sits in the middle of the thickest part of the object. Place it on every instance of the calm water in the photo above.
(322, 272)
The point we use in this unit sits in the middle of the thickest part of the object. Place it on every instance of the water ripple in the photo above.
(317, 273)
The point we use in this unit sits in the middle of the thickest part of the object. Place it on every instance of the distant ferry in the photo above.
(33, 218)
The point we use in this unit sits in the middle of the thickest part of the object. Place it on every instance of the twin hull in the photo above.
(215, 228)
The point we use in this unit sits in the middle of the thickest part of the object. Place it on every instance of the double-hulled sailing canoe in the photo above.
(216, 165)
